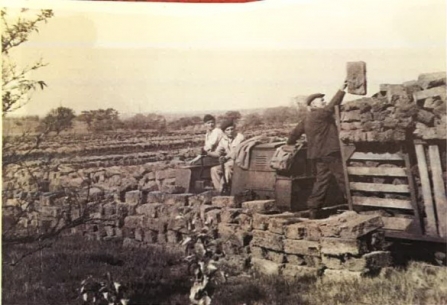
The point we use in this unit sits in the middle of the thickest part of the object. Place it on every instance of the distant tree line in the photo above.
(103, 120)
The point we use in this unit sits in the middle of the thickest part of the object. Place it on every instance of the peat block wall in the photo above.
(398, 112)
(102, 181)
(253, 234)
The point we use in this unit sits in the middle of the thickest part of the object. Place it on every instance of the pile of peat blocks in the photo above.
(412, 110)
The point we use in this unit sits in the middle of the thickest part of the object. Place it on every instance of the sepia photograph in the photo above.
(271, 152)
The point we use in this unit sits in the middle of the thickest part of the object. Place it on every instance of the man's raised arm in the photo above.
(338, 97)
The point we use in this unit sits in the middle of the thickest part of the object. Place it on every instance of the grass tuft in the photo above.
(158, 276)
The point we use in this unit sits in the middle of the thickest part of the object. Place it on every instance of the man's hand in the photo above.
(345, 84)
(222, 151)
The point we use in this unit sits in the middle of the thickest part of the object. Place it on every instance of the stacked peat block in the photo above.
(165, 180)
(167, 219)
(346, 245)
(267, 246)
(351, 246)
(431, 118)
(236, 227)
(151, 176)
(161, 218)
(48, 211)
(234, 231)
(128, 204)
(414, 109)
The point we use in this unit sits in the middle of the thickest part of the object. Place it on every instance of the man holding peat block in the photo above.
(323, 146)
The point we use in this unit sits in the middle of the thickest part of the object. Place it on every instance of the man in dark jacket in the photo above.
(323, 146)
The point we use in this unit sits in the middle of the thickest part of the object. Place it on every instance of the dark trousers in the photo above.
(326, 166)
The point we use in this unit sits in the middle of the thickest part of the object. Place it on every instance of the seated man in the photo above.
(212, 138)
(226, 151)
(213, 134)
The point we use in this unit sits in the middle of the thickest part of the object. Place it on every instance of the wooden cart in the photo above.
(404, 182)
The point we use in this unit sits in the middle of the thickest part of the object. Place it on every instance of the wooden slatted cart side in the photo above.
(380, 176)
(432, 183)
(384, 181)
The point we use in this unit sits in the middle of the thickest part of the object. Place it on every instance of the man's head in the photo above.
(228, 128)
(209, 121)
(316, 100)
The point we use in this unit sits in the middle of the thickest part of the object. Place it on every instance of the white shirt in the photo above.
(212, 139)
(230, 145)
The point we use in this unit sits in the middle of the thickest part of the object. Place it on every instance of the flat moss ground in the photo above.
(155, 276)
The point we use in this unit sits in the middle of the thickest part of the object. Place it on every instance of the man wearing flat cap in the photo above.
(226, 152)
(323, 146)
(212, 138)
(213, 134)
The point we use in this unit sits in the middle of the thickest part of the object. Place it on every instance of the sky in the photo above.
(179, 57)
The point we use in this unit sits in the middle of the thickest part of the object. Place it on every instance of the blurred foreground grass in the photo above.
(157, 276)
(54, 275)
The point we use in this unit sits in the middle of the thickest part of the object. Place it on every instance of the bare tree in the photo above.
(27, 220)
(16, 86)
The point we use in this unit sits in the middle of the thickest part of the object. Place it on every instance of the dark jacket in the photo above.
(320, 129)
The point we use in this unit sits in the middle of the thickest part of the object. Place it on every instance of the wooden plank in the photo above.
(377, 171)
(376, 187)
(373, 156)
(412, 236)
(438, 189)
(432, 92)
(431, 228)
(419, 228)
(396, 223)
(382, 202)
(347, 151)
(344, 159)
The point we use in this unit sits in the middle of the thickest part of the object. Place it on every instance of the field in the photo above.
(158, 276)
(101, 210)
(128, 181)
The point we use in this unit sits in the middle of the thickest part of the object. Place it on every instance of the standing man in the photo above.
(226, 152)
(323, 146)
